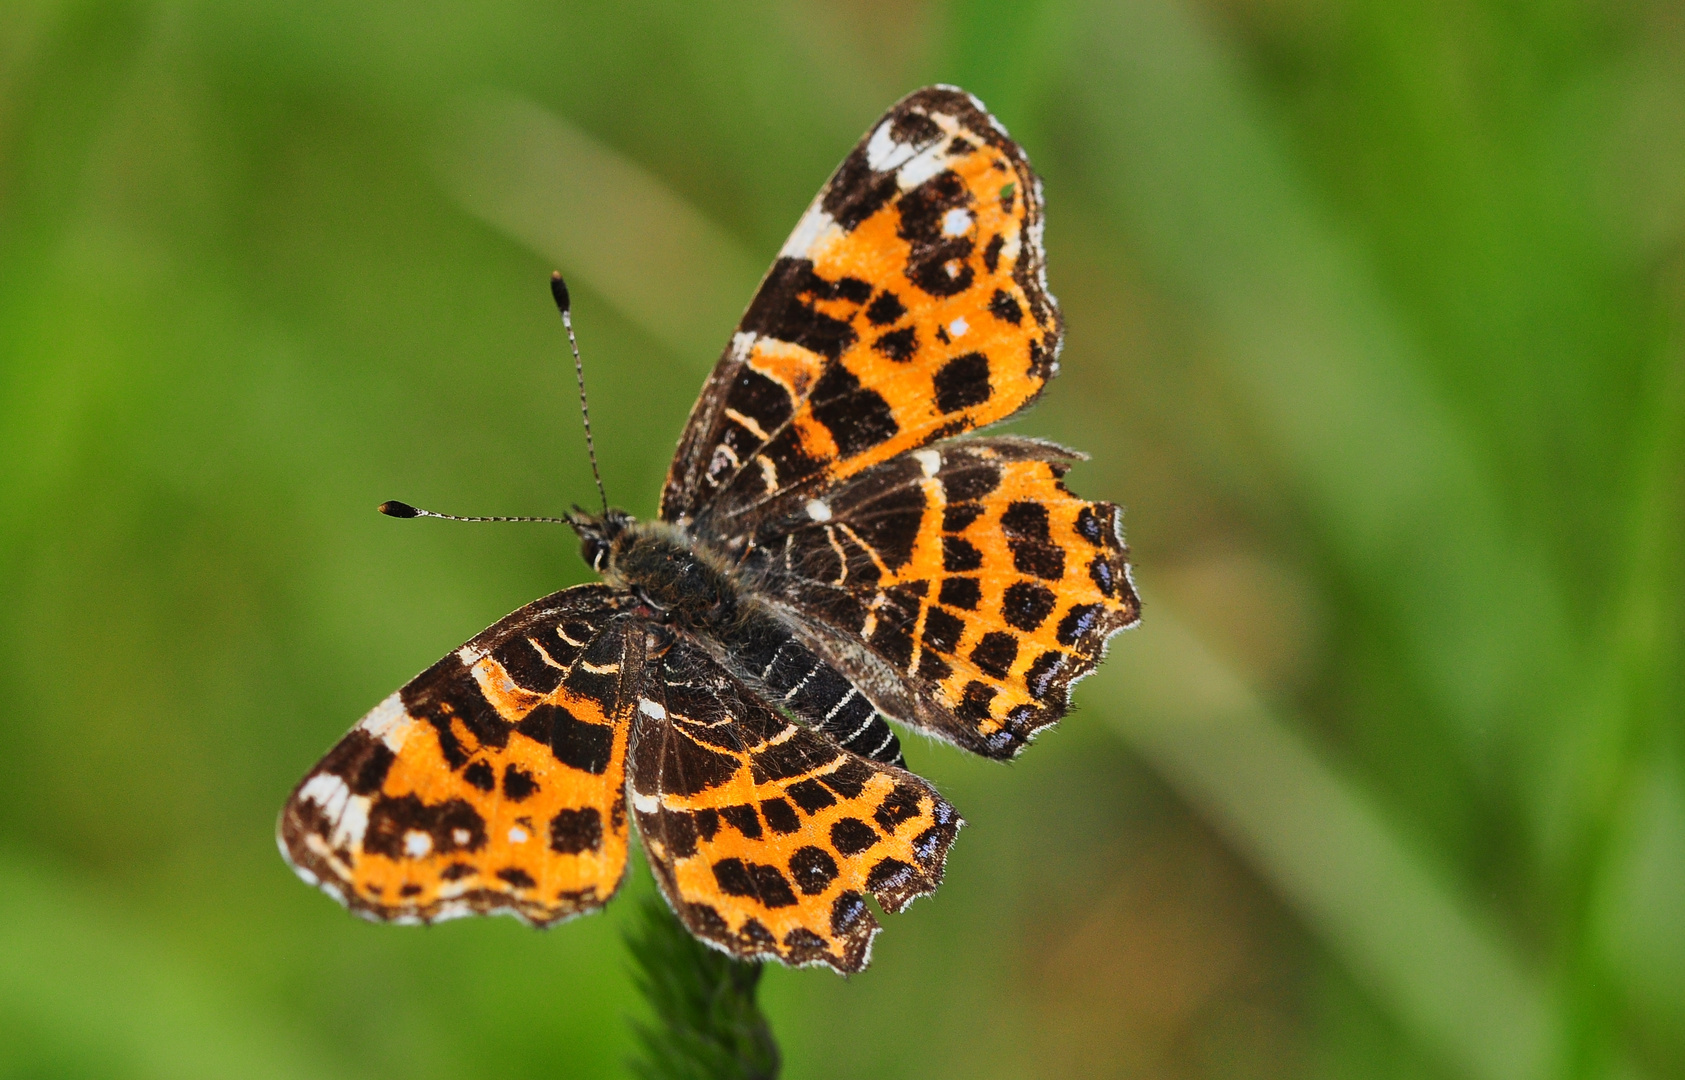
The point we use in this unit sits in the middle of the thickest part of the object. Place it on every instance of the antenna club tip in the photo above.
(559, 290)
(394, 508)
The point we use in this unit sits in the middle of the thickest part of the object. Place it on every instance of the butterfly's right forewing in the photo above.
(909, 305)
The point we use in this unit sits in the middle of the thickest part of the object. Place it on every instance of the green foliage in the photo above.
(707, 1024)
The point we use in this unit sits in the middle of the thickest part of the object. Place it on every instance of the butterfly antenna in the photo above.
(559, 290)
(394, 508)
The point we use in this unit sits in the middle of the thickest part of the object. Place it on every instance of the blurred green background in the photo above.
(1376, 327)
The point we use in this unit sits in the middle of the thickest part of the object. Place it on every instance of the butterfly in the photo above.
(830, 554)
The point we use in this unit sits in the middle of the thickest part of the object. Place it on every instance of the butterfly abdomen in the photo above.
(699, 594)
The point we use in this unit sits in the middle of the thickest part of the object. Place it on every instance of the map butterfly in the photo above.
(829, 553)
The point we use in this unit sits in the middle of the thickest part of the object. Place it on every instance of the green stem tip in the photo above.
(707, 1024)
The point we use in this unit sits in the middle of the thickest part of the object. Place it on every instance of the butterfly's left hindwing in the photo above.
(492, 782)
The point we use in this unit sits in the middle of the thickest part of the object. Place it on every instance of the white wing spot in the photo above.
(818, 511)
(353, 823)
(813, 225)
(929, 461)
(911, 164)
(883, 152)
(518, 835)
(956, 222)
(922, 168)
(387, 722)
(327, 791)
(461, 837)
(417, 844)
(724, 458)
(652, 709)
(1010, 250)
(349, 813)
(645, 804)
(958, 327)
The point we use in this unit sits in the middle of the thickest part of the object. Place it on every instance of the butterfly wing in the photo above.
(962, 586)
(908, 305)
(493, 782)
(766, 837)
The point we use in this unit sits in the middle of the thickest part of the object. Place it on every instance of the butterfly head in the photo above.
(675, 578)
(597, 535)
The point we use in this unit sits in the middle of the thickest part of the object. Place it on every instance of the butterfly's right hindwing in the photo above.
(963, 584)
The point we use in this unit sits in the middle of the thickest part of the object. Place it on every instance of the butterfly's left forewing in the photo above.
(493, 782)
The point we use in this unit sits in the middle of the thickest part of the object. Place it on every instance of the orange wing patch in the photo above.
(1029, 582)
(492, 783)
(765, 836)
(909, 305)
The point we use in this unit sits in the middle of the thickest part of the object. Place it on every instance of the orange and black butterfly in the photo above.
(830, 554)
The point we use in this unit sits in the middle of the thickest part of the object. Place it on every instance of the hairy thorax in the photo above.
(681, 581)
(691, 588)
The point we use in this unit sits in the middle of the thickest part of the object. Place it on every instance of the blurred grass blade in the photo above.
(1416, 945)
(1193, 174)
(92, 991)
(607, 223)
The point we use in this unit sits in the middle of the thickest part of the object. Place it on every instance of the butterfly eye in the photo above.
(594, 550)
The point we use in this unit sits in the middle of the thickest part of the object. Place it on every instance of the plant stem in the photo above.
(707, 1024)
